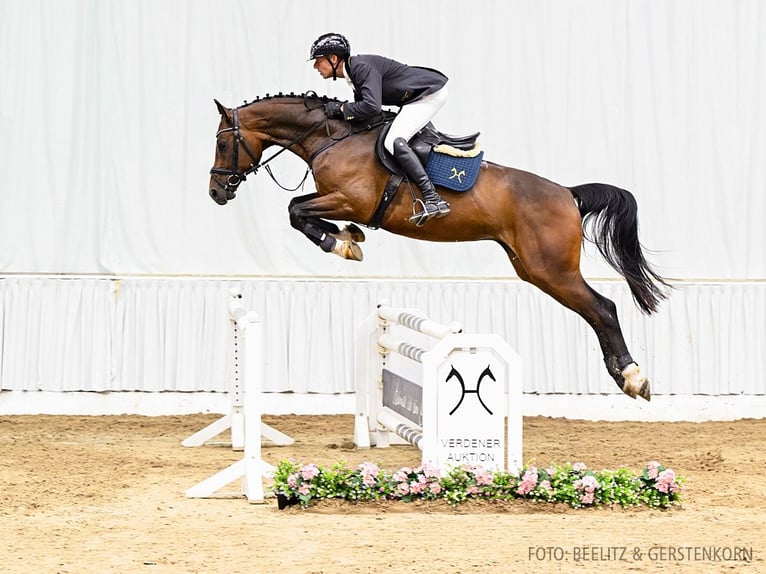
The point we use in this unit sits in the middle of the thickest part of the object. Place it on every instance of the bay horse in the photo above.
(539, 224)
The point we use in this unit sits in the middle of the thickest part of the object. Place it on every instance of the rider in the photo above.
(377, 81)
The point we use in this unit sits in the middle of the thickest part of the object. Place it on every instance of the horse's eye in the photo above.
(222, 145)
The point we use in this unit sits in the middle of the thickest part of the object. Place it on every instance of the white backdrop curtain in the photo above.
(107, 134)
(108, 124)
(165, 334)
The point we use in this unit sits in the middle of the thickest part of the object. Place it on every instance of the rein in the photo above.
(235, 178)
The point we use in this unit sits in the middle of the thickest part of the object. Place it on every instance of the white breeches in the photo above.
(412, 117)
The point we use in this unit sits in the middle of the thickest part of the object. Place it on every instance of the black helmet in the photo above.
(330, 43)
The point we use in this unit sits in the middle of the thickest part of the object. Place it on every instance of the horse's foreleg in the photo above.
(328, 236)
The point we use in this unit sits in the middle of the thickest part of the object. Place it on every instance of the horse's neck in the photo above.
(289, 127)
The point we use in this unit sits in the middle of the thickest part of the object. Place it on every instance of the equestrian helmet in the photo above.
(330, 43)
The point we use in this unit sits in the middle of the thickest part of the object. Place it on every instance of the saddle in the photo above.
(450, 161)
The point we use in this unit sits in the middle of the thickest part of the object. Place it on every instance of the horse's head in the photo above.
(293, 122)
(236, 155)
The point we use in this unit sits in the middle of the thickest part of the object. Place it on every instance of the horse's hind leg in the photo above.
(619, 363)
(564, 283)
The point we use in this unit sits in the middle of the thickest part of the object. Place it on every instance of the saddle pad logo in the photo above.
(455, 173)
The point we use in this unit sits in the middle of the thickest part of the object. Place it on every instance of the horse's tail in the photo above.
(610, 220)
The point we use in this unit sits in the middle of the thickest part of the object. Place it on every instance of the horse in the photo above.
(538, 223)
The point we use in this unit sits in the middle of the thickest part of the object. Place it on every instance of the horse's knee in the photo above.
(295, 207)
(292, 207)
(295, 216)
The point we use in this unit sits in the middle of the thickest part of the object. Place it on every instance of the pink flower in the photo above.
(652, 468)
(402, 475)
(369, 472)
(551, 471)
(304, 489)
(403, 488)
(483, 477)
(435, 487)
(530, 473)
(666, 482)
(528, 481)
(589, 483)
(368, 480)
(309, 471)
(431, 471)
(579, 466)
(546, 485)
(292, 480)
(587, 498)
(369, 468)
(525, 488)
(416, 487)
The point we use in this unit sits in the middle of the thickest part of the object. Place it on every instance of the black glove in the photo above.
(332, 110)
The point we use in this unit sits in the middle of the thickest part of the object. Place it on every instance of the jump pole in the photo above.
(251, 468)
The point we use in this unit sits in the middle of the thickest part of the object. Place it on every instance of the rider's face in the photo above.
(324, 64)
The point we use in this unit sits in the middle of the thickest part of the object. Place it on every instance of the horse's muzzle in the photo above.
(222, 197)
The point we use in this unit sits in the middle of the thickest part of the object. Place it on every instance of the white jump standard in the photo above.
(246, 414)
(456, 400)
(235, 419)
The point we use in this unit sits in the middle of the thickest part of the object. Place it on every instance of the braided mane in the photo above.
(307, 96)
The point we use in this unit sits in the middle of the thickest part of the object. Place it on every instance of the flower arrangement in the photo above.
(572, 484)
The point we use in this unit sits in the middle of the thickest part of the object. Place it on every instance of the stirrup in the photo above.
(428, 211)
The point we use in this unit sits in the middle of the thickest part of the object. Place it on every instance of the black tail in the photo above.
(610, 220)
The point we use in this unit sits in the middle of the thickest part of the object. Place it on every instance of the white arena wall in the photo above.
(158, 345)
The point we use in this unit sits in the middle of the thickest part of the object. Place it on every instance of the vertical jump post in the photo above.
(249, 372)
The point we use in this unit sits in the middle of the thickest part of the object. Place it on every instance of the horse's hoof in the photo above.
(349, 233)
(645, 392)
(354, 233)
(636, 384)
(348, 250)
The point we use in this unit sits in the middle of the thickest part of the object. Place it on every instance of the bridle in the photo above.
(234, 177)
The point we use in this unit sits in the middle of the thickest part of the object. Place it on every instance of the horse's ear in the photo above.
(221, 107)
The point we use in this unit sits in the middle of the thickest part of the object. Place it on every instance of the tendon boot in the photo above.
(432, 204)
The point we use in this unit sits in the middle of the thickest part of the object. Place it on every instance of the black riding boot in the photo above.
(433, 204)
